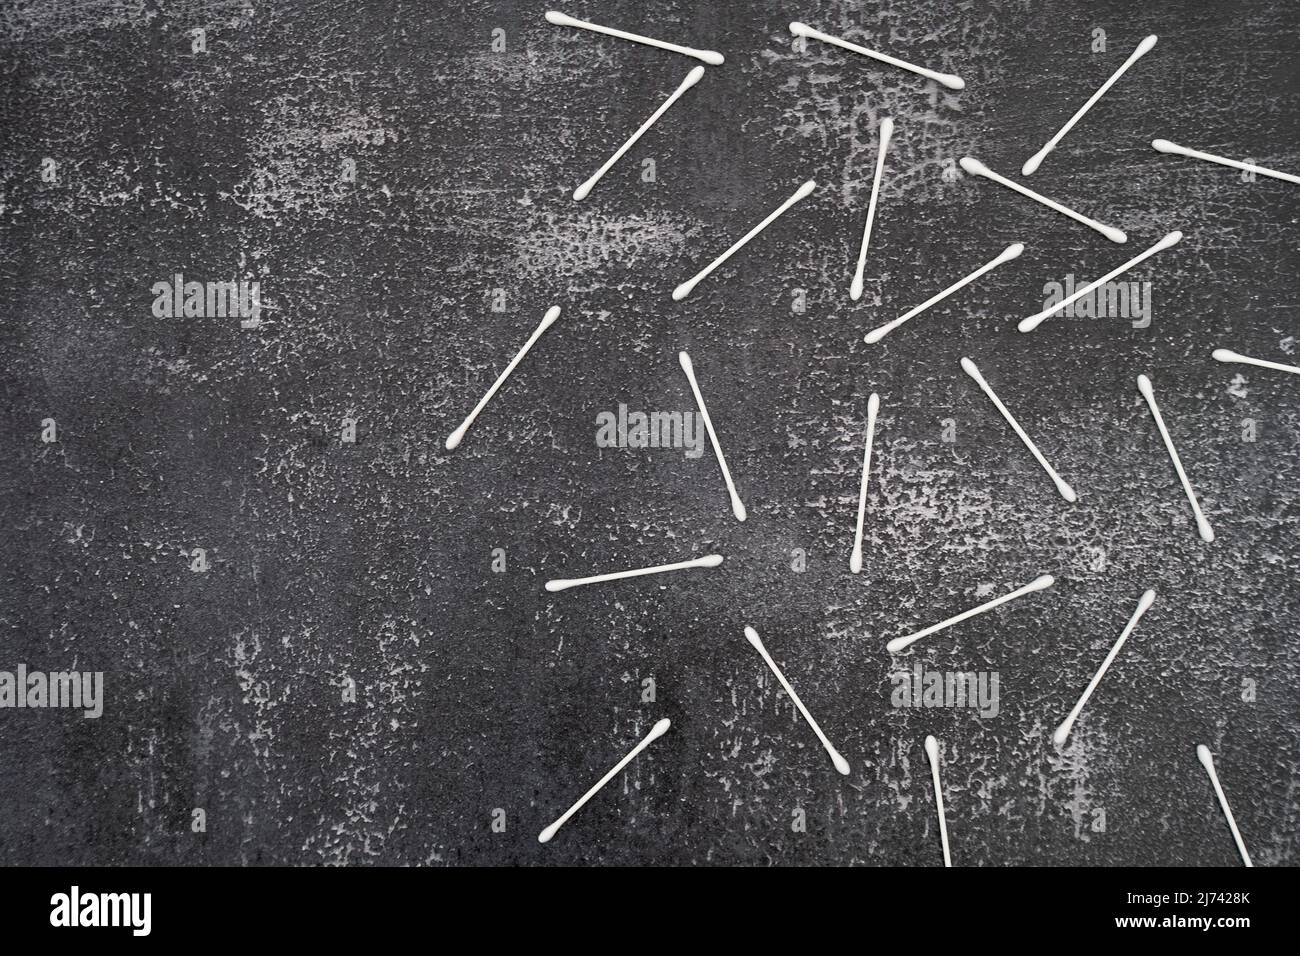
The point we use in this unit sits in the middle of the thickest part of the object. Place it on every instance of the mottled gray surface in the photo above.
(371, 561)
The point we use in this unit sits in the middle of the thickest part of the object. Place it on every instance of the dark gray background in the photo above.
(479, 690)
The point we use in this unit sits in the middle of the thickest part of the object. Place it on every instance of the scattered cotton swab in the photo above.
(692, 78)
(855, 559)
(1032, 164)
(1226, 355)
(1029, 323)
(1038, 584)
(562, 20)
(886, 131)
(1207, 760)
(455, 437)
(1010, 252)
(932, 751)
(1164, 146)
(1063, 731)
(737, 506)
(683, 290)
(976, 168)
(945, 79)
(1065, 490)
(563, 584)
(841, 764)
(657, 731)
(1202, 525)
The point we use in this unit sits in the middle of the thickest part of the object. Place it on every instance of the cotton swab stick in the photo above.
(692, 78)
(1164, 146)
(944, 79)
(548, 320)
(683, 290)
(1010, 252)
(932, 751)
(737, 506)
(1038, 584)
(563, 20)
(976, 168)
(1226, 355)
(855, 559)
(657, 731)
(886, 131)
(1029, 323)
(1063, 731)
(1032, 164)
(1065, 490)
(1202, 525)
(563, 584)
(841, 764)
(1207, 760)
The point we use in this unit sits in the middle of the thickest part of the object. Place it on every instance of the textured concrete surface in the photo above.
(332, 564)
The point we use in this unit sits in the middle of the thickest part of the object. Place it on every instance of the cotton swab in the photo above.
(1029, 323)
(657, 731)
(1063, 731)
(932, 751)
(1010, 252)
(1207, 760)
(1202, 525)
(1226, 355)
(563, 584)
(737, 506)
(1038, 584)
(841, 764)
(548, 320)
(1065, 490)
(1164, 146)
(563, 20)
(886, 131)
(855, 559)
(683, 290)
(976, 168)
(692, 78)
(1032, 164)
(944, 79)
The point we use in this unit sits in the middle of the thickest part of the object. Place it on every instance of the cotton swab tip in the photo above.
(1065, 490)
(751, 635)
(1203, 529)
(1148, 598)
(855, 561)
(1040, 583)
(873, 404)
(970, 368)
(559, 19)
(931, 748)
(1170, 239)
(1113, 234)
(886, 129)
(738, 509)
(1205, 757)
(659, 729)
(1226, 355)
(545, 835)
(1012, 251)
(1033, 162)
(1144, 386)
(1062, 733)
(685, 361)
(841, 764)
(682, 291)
(710, 561)
(800, 29)
(1146, 45)
(1164, 146)
(973, 166)
(805, 189)
(454, 439)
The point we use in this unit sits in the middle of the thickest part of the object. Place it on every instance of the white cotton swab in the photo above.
(944, 79)
(692, 78)
(1029, 323)
(1164, 146)
(1062, 732)
(683, 290)
(1032, 164)
(932, 751)
(1202, 525)
(1038, 584)
(454, 439)
(563, 584)
(841, 764)
(886, 132)
(657, 731)
(1006, 255)
(1227, 355)
(976, 168)
(855, 559)
(1065, 490)
(737, 506)
(563, 20)
(1207, 760)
